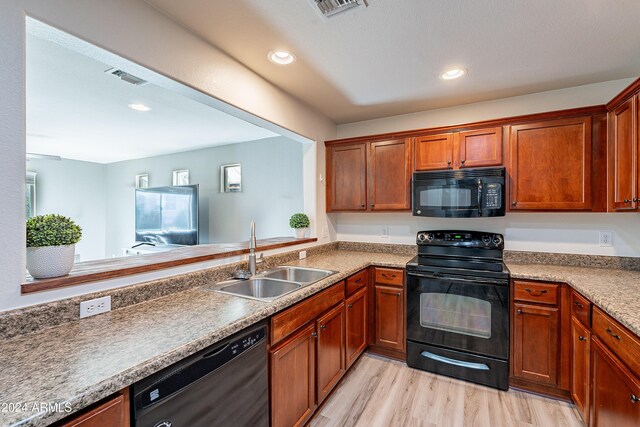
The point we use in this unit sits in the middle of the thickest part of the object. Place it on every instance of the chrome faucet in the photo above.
(252, 249)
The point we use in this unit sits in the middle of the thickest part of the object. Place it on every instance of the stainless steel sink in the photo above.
(259, 288)
(302, 275)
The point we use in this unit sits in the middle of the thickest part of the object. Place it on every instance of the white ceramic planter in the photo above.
(300, 232)
(50, 261)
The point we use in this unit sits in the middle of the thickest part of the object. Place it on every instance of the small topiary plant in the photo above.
(52, 230)
(299, 220)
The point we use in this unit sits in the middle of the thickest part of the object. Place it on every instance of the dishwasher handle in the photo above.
(178, 376)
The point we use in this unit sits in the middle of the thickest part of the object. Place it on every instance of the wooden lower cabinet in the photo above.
(580, 356)
(293, 373)
(615, 394)
(330, 351)
(389, 317)
(113, 412)
(357, 325)
(536, 343)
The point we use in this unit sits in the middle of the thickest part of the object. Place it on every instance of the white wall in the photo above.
(271, 190)
(75, 189)
(567, 232)
(133, 30)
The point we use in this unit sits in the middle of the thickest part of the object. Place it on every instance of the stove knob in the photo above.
(430, 237)
(421, 237)
(497, 240)
(486, 239)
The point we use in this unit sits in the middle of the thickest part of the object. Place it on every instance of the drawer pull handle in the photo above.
(358, 279)
(634, 398)
(581, 338)
(610, 332)
(519, 311)
(388, 276)
(577, 304)
(536, 293)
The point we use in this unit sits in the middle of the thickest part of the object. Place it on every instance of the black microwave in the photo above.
(464, 193)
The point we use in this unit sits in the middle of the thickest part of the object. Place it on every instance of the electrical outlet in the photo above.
(302, 254)
(385, 232)
(325, 232)
(95, 306)
(606, 238)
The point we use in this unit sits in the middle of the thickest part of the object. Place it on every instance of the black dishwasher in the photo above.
(223, 385)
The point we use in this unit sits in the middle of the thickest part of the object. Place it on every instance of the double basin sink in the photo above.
(273, 284)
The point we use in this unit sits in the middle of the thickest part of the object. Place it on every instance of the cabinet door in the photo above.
(347, 176)
(478, 148)
(389, 317)
(356, 325)
(331, 350)
(580, 354)
(434, 152)
(536, 343)
(293, 379)
(390, 175)
(622, 157)
(550, 165)
(615, 393)
(113, 412)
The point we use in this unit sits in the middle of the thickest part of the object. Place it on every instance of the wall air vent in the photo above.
(129, 78)
(331, 8)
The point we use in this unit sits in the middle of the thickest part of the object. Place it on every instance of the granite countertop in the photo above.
(613, 290)
(81, 362)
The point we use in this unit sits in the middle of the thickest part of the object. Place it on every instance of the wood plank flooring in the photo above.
(383, 392)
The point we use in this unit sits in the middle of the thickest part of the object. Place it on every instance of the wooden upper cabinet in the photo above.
(434, 152)
(550, 165)
(536, 339)
(479, 148)
(390, 175)
(347, 178)
(623, 154)
(615, 390)
(369, 176)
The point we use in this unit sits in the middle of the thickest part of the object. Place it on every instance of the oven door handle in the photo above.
(483, 280)
(455, 362)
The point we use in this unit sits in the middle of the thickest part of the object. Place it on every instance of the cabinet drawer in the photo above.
(621, 342)
(293, 318)
(537, 292)
(356, 281)
(389, 276)
(581, 308)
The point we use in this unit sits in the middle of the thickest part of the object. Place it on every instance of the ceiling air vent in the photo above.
(129, 78)
(330, 8)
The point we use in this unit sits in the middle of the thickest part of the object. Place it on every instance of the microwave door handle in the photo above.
(479, 197)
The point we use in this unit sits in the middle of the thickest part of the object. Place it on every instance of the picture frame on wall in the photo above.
(181, 177)
(231, 178)
(142, 180)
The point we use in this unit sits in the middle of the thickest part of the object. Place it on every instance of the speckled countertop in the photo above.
(81, 362)
(613, 290)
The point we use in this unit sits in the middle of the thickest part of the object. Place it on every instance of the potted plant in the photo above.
(300, 222)
(51, 245)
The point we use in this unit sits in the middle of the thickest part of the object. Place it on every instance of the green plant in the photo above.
(52, 230)
(299, 220)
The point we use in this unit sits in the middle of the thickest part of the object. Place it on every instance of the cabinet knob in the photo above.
(635, 199)
(398, 294)
(627, 201)
(581, 338)
(449, 163)
(610, 332)
(514, 203)
(350, 306)
(519, 311)
(634, 398)
(362, 205)
(323, 327)
(314, 335)
(462, 161)
(372, 205)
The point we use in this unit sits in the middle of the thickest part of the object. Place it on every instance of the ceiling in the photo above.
(77, 111)
(386, 59)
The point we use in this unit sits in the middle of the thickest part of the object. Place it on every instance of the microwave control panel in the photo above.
(493, 196)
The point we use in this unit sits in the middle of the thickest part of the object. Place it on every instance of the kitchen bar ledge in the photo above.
(91, 271)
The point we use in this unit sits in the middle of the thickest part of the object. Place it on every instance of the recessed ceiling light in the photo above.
(281, 57)
(453, 73)
(139, 107)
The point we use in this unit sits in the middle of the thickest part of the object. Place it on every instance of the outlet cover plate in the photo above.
(606, 238)
(95, 306)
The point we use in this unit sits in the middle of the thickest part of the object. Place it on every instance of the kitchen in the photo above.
(550, 234)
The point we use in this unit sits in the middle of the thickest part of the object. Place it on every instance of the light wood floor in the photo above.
(383, 392)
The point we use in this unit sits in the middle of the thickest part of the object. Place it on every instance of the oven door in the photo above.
(459, 312)
(447, 197)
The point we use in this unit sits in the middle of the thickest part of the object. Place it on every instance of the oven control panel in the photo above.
(471, 239)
